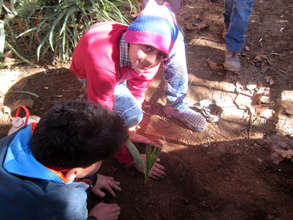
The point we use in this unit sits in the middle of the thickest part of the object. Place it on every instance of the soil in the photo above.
(225, 172)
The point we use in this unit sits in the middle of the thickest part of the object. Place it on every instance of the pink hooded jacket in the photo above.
(97, 58)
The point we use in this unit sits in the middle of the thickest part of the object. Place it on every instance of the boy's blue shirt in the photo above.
(20, 160)
(31, 195)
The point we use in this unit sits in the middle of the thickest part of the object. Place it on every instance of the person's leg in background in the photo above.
(236, 17)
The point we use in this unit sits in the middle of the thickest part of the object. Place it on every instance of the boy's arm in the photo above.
(90, 180)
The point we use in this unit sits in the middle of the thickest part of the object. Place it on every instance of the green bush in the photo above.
(52, 28)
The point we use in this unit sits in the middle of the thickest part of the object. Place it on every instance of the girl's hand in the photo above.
(158, 170)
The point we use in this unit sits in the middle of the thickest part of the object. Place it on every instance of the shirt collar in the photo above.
(124, 58)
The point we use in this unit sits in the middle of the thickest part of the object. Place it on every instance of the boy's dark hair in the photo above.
(77, 134)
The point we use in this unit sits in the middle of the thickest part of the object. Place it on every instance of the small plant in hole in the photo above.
(152, 154)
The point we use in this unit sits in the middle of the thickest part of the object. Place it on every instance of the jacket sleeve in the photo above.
(94, 61)
(100, 87)
(176, 72)
(76, 66)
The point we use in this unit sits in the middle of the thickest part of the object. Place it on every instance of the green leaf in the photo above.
(135, 154)
(26, 31)
(19, 55)
(41, 45)
(2, 37)
(58, 24)
(52, 30)
(152, 154)
(1, 5)
(69, 13)
(12, 3)
(26, 92)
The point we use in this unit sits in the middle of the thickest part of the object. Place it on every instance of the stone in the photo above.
(287, 101)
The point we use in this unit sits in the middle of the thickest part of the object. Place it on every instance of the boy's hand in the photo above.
(108, 183)
(103, 211)
(158, 170)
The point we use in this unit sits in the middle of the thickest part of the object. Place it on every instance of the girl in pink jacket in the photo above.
(118, 62)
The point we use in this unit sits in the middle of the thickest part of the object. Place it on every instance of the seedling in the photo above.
(152, 154)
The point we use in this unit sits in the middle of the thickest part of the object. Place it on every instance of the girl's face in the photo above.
(143, 57)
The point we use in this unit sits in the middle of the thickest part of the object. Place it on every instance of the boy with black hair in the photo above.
(43, 172)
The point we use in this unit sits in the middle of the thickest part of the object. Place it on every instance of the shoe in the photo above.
(232, 62)
(192, 119)
(209, 109)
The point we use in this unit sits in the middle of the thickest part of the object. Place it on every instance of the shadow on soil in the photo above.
(226, 180)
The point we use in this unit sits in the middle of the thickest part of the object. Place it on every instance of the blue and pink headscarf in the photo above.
(155, 26)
